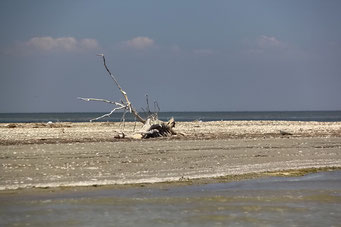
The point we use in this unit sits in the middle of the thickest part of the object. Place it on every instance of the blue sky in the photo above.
(240, 55)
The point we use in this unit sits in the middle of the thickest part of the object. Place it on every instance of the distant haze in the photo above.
(191, 55)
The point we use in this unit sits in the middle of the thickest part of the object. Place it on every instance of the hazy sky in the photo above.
(188, 55)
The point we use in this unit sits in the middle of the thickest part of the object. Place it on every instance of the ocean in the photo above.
(321, 116)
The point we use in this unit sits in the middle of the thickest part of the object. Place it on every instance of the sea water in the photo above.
(311, 200)
(327, 116)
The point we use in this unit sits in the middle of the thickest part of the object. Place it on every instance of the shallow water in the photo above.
(311, 200)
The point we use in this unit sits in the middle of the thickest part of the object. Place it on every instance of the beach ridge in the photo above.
(207, 150)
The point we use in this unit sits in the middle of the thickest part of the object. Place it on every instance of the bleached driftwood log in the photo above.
(152, 126)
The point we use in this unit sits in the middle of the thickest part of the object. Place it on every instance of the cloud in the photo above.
(61, 44)
(265, 44)
(89, 43)
(269, 42)
(138, 43)
(271, 47)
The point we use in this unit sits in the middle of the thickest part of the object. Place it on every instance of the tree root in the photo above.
(158, 129)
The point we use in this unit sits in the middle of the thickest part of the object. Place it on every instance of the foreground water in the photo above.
(311, 200)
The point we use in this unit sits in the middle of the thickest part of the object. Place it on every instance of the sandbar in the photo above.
(39, 155)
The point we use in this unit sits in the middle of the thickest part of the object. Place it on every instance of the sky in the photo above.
(194, 55)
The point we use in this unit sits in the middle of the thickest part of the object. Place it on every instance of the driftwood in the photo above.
(152, 126)
(284, 133)
(157, 128)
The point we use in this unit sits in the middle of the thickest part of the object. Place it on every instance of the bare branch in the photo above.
(100, 100)
(156, 107)
(111, 75)
(123, 119)
(108, 114)
(127, 102)
(147, 101)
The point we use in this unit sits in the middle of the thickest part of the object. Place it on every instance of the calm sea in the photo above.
(326, 116)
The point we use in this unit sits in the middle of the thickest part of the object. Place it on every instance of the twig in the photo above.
(123, 120)
(134, 125)
(147, 101)
(156, 107)
(101, 100)
(108, 114)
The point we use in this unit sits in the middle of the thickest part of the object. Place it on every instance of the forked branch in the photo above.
(126, 104)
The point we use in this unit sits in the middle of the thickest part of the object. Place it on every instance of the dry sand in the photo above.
(85, 154)
(37, 133)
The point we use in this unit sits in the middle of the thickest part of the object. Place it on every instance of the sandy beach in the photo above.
(39, 155)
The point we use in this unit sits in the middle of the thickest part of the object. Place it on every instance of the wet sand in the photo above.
(87, 154)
